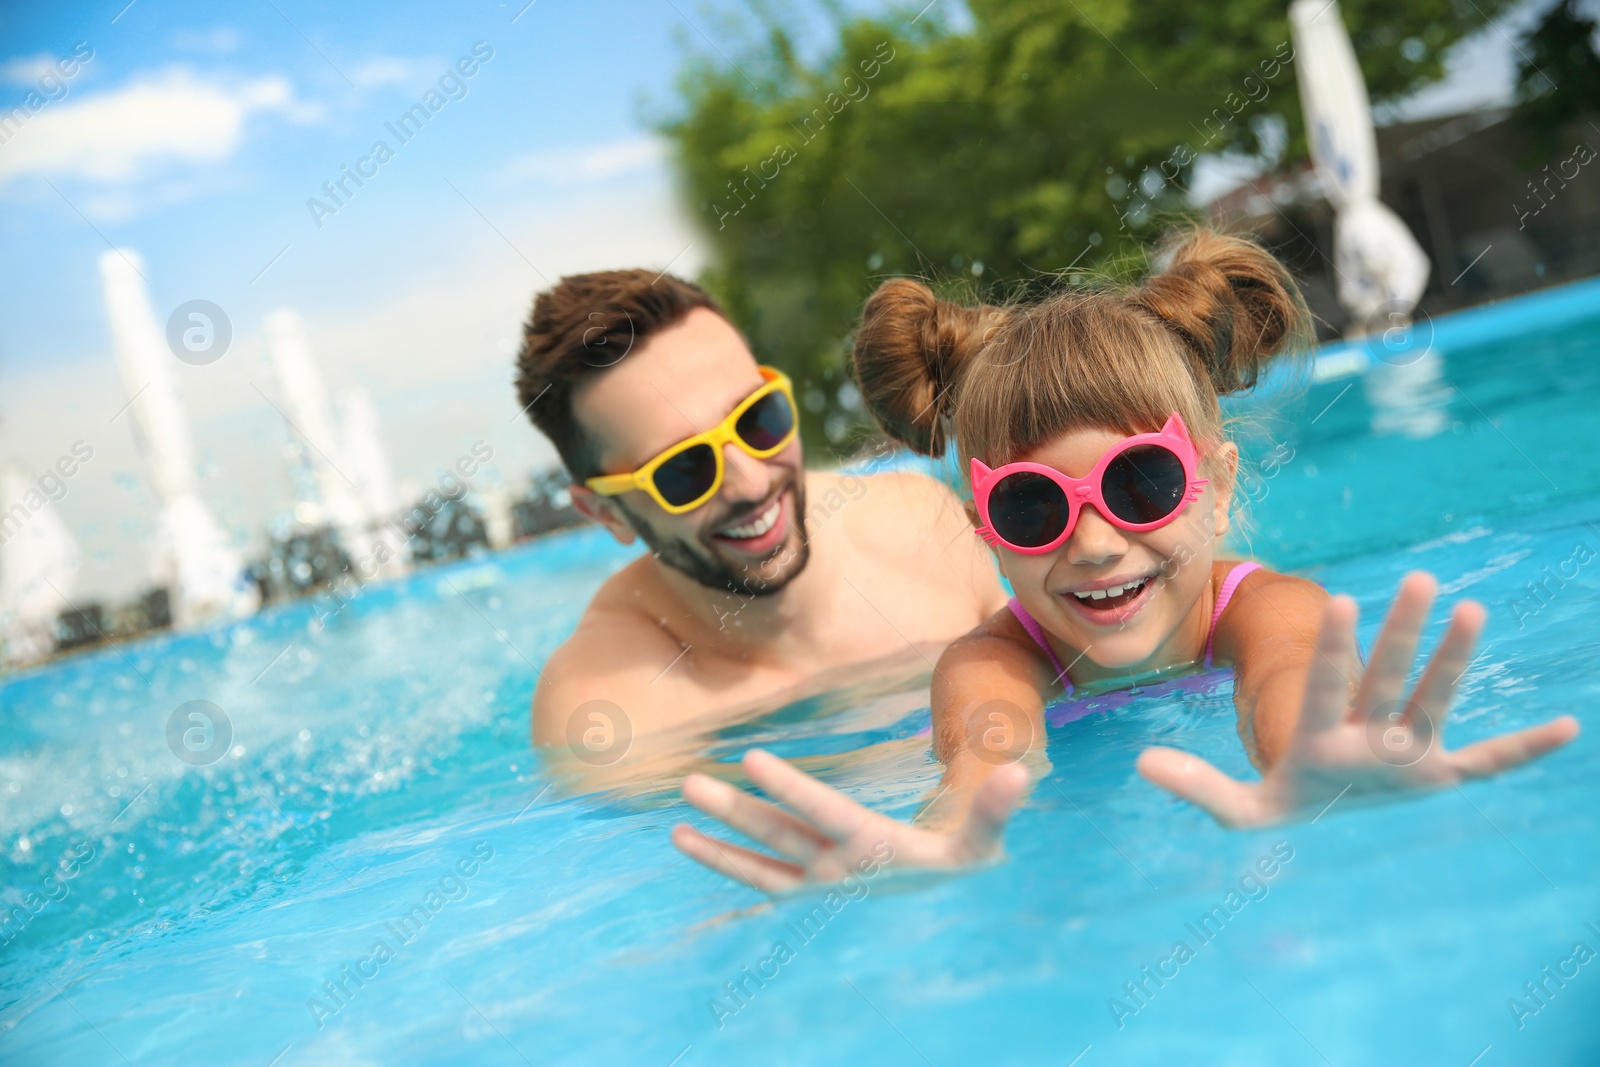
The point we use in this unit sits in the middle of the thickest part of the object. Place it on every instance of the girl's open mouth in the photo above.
(1114, 604)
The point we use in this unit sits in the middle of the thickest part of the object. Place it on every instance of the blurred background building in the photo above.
(1470, 186)
(1502, 198)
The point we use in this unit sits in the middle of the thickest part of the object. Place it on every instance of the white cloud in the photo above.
(585, 163)
(396, 70)
(128, 132)
(27, 70)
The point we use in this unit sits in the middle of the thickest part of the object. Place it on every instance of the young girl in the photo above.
(1101, 477)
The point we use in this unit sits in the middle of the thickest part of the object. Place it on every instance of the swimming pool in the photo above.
(380, 789)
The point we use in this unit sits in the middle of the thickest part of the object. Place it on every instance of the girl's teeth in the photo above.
(1116, 590)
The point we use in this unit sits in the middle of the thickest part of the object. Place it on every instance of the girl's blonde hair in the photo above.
(1004, 380)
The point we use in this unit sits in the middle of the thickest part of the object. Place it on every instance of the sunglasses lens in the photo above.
(1144, 484)
(766, 423)
(688, 476)
(1027, 509)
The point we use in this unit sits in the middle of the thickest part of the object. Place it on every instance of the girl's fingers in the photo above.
(983, 833)
(1192, 778)
(1511, 750)
(1328, 682)
(829, 810)
(1396, 649)
(754, 817)
(741, 864)
(1437, 686)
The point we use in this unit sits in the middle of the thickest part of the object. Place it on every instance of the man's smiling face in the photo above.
(682, 381)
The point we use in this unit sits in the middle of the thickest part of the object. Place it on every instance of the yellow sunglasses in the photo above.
(689, 473)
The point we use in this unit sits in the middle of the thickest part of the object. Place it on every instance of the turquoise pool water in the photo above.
(380, 789)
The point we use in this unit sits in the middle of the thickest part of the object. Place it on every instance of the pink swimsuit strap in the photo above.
(1230, 585)
(1035, 631)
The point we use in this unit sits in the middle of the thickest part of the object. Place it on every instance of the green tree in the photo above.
(987, 152)
(1558, 79)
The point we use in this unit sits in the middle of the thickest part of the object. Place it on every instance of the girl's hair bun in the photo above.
(910, 352)
(1230, 303)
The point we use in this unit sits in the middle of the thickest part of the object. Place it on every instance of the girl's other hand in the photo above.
(824, 836)
(1381, 743)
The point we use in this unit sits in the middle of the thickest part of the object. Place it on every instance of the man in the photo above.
(761, 576)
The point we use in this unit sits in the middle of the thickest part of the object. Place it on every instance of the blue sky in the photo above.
(268, 107)
(196, 135)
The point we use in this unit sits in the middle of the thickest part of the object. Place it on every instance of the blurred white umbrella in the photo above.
(310, 419)
(367, 462)
(203, 574)
(1382, 271)
(350, 470)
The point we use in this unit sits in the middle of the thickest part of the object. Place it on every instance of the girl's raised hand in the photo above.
(1382, 742)
(824, 836)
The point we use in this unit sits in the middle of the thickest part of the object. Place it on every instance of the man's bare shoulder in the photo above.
(906, 495)
(928, 520)
(612, 655)
(910, 523)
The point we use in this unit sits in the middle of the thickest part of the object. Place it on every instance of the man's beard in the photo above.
(696, 560)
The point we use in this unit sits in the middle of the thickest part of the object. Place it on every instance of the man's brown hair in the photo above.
(578, 328)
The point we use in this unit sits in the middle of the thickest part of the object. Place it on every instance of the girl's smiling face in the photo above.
(1156, 620)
